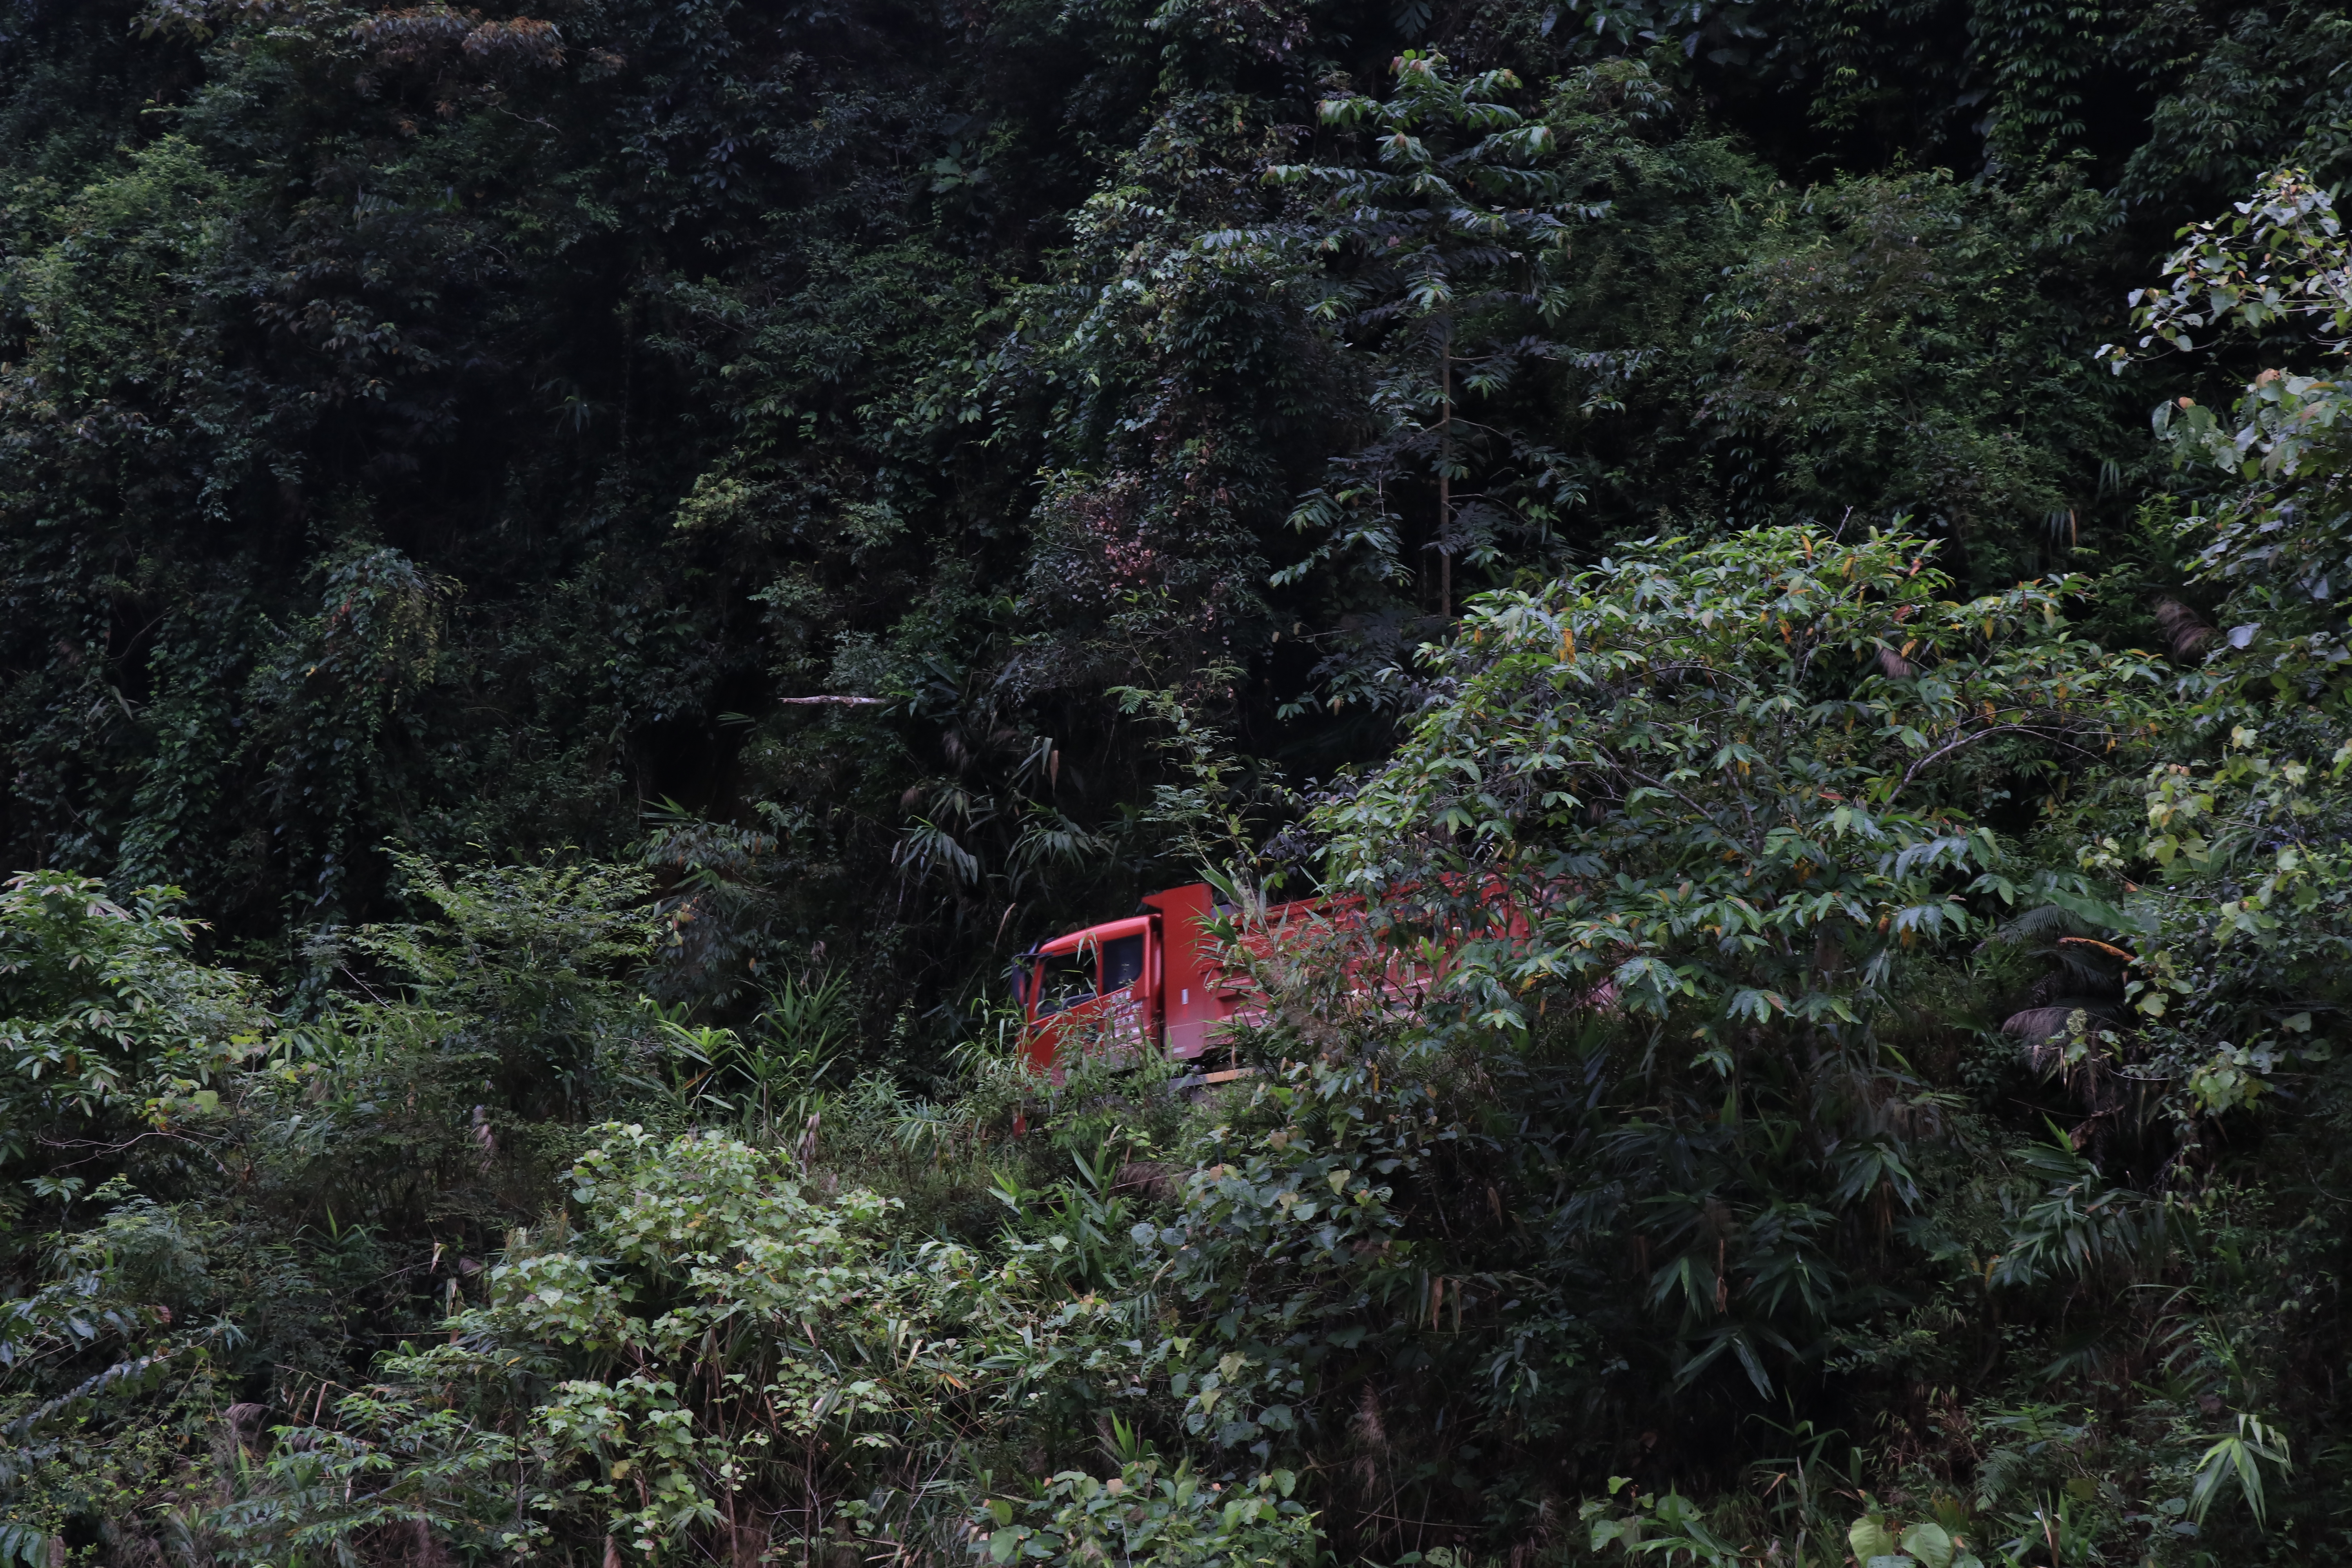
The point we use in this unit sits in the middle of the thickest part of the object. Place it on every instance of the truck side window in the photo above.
(1122, 963)
(1065, 979)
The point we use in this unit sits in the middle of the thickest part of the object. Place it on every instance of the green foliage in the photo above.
(106, 1369)
(2236, 1459)
(1857, 1074)
(1715, 779)
(1146, 1514)
(700, 1332)
(529, 964)
(1454, 247)
(109, 1018)
(1671, 1524)
(465, 430)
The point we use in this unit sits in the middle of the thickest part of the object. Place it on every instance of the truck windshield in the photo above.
(1064, 980)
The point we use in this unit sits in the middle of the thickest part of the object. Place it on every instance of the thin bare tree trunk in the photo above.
(1446, 484)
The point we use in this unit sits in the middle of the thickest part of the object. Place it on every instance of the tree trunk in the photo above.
(1445, 483)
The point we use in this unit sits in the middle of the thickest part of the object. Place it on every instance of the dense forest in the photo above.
(578, 580)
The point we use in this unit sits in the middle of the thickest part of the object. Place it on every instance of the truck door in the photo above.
(1192, 996)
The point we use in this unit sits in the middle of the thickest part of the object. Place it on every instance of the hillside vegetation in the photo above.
(578, 580)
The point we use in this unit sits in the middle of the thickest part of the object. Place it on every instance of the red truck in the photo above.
(1158, 979)
(1152, 978)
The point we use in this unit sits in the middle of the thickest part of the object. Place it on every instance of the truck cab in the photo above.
(1149, 982)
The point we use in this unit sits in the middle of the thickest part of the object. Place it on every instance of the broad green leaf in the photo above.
(1870, 1538)
(1930, 1544)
